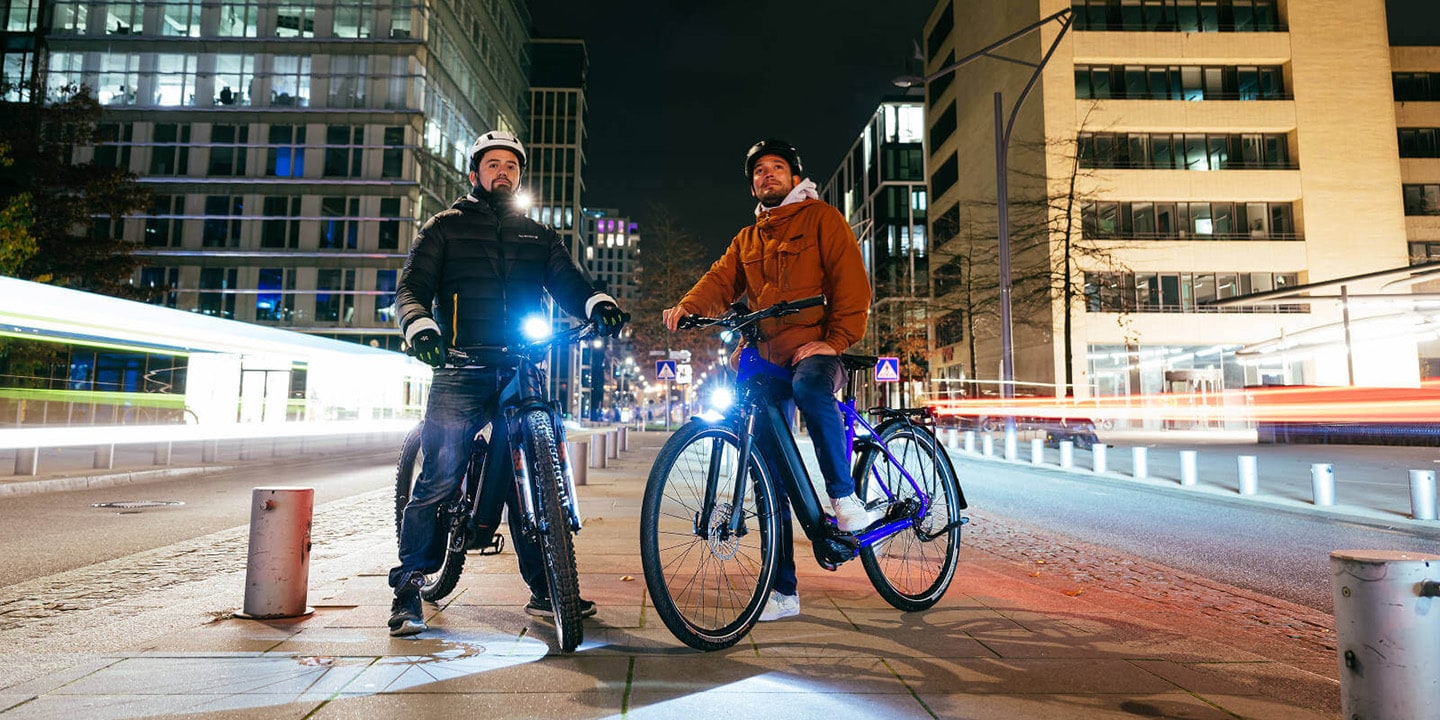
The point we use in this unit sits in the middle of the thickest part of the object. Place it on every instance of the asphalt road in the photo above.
(47, 533)
(1278, 553)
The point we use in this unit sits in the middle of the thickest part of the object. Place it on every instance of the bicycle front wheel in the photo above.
(547, 480)
(913, 568)
(441, 582)
(707, 584)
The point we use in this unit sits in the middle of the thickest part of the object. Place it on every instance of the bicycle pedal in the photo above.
(494, 547)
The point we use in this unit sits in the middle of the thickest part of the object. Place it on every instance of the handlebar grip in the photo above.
(688, 322)
(803, 303)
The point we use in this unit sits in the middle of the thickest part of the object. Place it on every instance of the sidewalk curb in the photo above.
(1374, 519)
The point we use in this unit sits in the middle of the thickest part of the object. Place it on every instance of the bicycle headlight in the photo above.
(535, 328)
(721, 398)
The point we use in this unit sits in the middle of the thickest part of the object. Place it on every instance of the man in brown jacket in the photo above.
(798, 247)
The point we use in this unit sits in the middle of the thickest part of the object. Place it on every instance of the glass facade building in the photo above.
(292, 148)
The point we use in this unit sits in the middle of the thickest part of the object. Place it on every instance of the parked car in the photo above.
(1080, 431)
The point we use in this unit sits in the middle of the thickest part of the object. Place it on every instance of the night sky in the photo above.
(679, 90)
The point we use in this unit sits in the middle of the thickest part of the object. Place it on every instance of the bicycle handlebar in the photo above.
(735, 320)
(458, 356)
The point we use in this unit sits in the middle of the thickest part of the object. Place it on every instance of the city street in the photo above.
(1242, 574)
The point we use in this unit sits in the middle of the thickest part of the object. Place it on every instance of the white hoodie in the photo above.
(803, 190)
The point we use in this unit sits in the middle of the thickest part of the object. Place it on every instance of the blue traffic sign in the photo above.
(887, 370)
(664, 369)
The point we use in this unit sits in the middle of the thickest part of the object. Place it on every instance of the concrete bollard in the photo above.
(1011, 449)
(1037, 451)
(612, 444)
(209, 451)
(1422, 494)
(1322, 483)
(597, 450)
(1188, 474)
(987, 445)
(104, 457)
(1067, 454)
(1139, 459)
(1249, 481)
(952, 438)
(1098, 456)
(162, 453)
(623, 434)
(578, 453)
(1387, 632)
(277, 573)
(970, 441)
(27, 461)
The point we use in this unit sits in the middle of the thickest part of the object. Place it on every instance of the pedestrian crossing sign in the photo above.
(887, 370)
(664, 369)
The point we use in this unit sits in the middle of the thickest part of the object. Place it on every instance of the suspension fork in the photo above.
(746, 426)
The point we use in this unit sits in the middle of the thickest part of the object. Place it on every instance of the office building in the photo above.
(612, 257)
(1173, 155)
(880, 188)
(292, 148)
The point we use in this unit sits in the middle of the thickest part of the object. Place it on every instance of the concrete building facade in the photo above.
(1173, 154)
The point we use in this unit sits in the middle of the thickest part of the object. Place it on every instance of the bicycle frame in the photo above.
(752, 379)
(522, 393)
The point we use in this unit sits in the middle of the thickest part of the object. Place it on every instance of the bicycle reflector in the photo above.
(535, 328)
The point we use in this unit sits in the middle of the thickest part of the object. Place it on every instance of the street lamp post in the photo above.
(1003, 129)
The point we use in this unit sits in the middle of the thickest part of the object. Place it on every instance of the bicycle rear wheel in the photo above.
(911, 569)
(441, 582)
(547, 479)
(707, 590)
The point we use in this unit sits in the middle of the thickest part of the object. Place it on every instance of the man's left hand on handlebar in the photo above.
(671, 316)
(608, 319)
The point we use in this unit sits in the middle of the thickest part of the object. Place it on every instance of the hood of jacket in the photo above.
(803, 190)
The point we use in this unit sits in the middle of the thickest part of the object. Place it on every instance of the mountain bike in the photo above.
(544, 481)
(709, 526)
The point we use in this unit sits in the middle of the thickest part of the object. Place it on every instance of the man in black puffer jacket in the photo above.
(483, 267)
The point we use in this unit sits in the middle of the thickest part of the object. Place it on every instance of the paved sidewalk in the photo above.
(1033, 627)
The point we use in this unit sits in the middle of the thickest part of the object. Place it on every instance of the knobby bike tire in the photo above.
(708, 592)
(910, 572)
(441, 582)
(547, 478)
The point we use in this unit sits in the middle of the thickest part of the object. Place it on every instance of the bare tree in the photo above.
(670, 264)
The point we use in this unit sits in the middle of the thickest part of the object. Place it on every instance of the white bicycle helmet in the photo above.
(496, 139)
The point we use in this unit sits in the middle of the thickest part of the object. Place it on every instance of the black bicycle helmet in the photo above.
(774, 147)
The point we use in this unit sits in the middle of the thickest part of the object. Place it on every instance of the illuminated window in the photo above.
(286, 156)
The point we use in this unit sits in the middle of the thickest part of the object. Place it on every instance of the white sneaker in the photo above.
(850, 513)
(780, 606)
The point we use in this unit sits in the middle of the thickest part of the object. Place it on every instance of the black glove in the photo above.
(608, 319)
(429, 348)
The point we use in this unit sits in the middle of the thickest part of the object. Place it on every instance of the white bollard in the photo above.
(987, 445)
(624, 436)
(1012, 451)
(1098, 456)
(1139, 467)
(970, 441)
(612, 444)
(162, 453)
(578, 453)
(1249, 482)
(597, 450)
(1067, 454)
(1322, 483)
(1037, 451)
(1422, 494)
(1387, 632)
(27, 461)
(952, 438)
(1188, 475)
(277, 572)
(104, 457)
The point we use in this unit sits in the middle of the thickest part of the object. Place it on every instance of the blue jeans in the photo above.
(813, 384)
(461, 402)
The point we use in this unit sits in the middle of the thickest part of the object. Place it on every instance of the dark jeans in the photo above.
(813, 385)
(461, 402)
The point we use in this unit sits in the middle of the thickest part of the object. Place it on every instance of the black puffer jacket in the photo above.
(483, 274)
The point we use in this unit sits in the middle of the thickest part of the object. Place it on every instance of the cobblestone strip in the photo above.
(1080, 565)
(38, 607)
